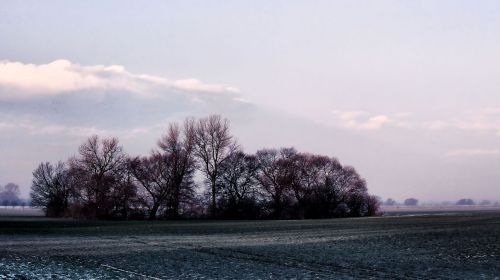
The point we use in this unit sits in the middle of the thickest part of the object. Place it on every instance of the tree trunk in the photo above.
(152, 212)
(173, 210)
(213, 198)
(277, 210)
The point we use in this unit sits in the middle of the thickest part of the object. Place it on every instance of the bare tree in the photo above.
(96, 171)
(276, 175)
(372, 206)
(102, 181)
(325, 196)
(179, 146)
(50, 188)
(166, 175)
(308, 178)
(352, 191)
(238, 184)
(124, 195)
(154, 175)
(213, 145)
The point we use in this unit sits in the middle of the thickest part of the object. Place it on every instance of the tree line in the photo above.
(198, 170)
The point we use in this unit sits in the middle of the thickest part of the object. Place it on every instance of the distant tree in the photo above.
(10, 193)
(465, 201)
(213, 145)
(390, 202)
(411, 202)
(50, 188)
(485, 202)
(11, 190)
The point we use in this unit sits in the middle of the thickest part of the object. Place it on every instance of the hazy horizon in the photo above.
(406, 92)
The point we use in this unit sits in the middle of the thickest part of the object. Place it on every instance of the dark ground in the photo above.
(461, 245)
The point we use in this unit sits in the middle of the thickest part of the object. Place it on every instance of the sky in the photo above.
(407, 92)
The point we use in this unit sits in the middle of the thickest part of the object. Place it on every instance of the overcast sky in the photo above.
(408, 92)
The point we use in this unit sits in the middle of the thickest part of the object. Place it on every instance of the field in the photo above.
(458, 245)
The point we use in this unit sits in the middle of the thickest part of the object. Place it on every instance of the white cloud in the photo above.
(365, 121)
(22, 81)
(437, 125)
(485, 120)
(474, 152)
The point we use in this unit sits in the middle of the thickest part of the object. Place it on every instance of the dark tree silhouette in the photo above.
(213, 145)
(179, 146)
(276, 174)
(353, 191)
(153, 173)
(166, 176)
(238, 185)
(97, 173)
(309, 177)
(326, 196)
(124, 195)
(50, 188)
(372, 206)
(103, 182)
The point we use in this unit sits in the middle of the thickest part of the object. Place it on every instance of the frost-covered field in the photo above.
(20, 211)
(438, 246)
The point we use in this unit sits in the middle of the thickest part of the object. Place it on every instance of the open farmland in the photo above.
(463, 245)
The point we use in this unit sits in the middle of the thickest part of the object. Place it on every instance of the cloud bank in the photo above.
(69, 98)
(20, 81)
(39, 128)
